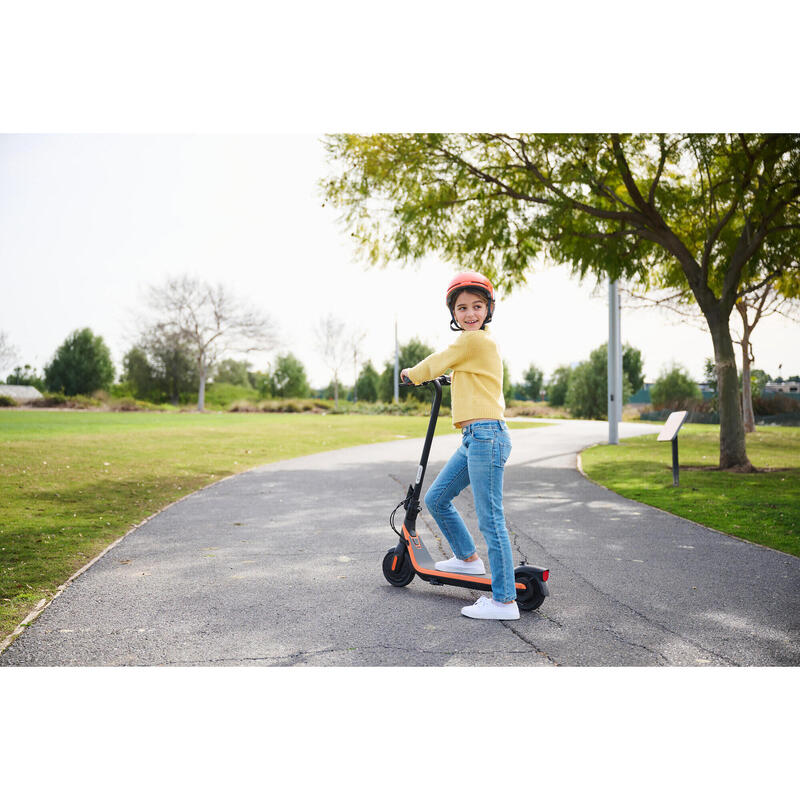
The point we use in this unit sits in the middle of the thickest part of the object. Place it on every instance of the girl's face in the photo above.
(470, 311)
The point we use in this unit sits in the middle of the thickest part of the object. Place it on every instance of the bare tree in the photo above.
(332, 345)
(210, 320)
(7, 351)
(355, 345)
(762, 303)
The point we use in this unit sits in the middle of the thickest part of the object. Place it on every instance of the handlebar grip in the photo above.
(444, 380)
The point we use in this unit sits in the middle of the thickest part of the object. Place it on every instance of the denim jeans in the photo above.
(485, 448)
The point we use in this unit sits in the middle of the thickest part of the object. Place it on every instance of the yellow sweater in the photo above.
(477, 379)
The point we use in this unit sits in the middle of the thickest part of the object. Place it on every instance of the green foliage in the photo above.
(601, 202)
(758, 380)
(288, 378)
(674, 387)
(26, 376)
(559, 383)
(367, 384)
(261, 382)
(532, 382)
(411, 354)
(508, 389)
(710, 215)
(234, 372)
(7, 401)
(632, 368)
(137, 374)
(160, 369)
(334, 390)
(222, 395)
(81, 365)
(587, 393)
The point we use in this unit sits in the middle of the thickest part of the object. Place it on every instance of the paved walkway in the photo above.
(281, 566)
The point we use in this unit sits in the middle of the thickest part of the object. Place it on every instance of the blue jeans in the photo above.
(485, 448)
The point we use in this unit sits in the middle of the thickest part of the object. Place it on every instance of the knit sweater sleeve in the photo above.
(435, 365)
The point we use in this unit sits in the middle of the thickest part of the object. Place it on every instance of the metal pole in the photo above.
(396, 365)
(619, 354)
(675, 460)
(614, 398)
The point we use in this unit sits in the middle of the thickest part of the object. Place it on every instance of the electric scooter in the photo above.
(410, 557)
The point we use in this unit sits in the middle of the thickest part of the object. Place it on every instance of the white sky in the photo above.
(87, 222)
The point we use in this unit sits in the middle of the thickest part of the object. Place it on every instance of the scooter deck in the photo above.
(425, 567)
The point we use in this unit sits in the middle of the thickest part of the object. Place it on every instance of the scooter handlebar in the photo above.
(444, 380)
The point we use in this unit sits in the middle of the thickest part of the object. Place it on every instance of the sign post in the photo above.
(670, 434)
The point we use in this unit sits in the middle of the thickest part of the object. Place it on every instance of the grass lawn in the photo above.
(72, 482)
(762, 507)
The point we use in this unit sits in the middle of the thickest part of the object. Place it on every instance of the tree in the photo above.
(587, 391)
(366, 387)
(508, 389)
(779, 296)
(769, 299)
(532, 381)
(632, 367)
(410, 354)
(230, 370)
(81, 365)
(332, 345)
(558, 386)
(355, 345)
(138, 374)
(673, 388)
(715, 214)
(25, 376)
(7, 351)
(208, 322)
(161, 367)
(758, 380)
(288, 378)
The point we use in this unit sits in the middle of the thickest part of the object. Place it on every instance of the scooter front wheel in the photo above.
(398, 572)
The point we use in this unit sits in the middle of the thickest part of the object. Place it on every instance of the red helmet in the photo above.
(473, 281)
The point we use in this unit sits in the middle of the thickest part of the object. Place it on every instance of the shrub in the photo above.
(81, 365)
(769, 404)
(223, 395)
(6, 401)
(239, 406)
(674, 388)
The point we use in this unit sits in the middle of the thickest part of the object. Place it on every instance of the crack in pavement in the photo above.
(612, 599)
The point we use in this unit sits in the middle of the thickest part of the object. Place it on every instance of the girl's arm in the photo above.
(436, 364)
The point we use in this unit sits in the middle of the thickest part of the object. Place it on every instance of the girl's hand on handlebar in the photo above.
(404, 377)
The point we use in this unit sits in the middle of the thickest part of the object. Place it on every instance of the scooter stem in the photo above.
(413, 505)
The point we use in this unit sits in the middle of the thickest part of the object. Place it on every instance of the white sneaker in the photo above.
(457, 565)
(485, 608)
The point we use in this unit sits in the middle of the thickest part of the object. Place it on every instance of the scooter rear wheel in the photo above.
(531, 597)
(397, 577)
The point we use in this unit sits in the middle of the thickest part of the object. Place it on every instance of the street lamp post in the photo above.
(614, 364)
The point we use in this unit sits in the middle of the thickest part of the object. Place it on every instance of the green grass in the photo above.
(72, 482)
(762, 507)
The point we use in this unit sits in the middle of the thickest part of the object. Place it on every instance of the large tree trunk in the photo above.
(732, 450)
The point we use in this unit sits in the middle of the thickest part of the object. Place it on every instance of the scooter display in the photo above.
(410, 557)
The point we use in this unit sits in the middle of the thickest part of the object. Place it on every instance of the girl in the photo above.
(477, 406)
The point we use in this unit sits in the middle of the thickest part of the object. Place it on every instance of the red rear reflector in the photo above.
(545, 574)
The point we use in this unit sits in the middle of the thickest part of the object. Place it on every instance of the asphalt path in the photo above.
(281, 566)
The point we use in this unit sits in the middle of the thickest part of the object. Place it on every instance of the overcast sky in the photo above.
(87, 222)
